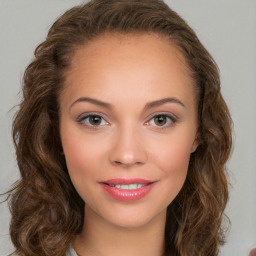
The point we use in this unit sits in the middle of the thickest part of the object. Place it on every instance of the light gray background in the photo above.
(228, 30)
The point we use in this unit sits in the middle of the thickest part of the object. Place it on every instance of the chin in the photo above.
(133, 218)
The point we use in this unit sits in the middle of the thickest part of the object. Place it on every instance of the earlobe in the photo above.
(196, 142)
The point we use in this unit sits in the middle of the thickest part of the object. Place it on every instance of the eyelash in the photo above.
(171, 120)
(81, 119)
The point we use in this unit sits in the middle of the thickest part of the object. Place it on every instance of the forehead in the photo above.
(149, 45)
(134, 62)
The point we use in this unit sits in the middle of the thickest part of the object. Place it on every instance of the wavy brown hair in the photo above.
(46, 210)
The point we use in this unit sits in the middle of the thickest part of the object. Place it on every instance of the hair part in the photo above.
(46, 210)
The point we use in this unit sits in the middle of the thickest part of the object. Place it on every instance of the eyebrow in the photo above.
(93, 101)
(148, 105)
(163, 101)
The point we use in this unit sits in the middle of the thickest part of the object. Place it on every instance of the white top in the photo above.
(71, 252)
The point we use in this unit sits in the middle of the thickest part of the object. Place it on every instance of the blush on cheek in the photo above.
(174, 158)
(82, 160)
(79, 172)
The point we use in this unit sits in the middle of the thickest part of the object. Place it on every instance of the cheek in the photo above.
(80, 149)
(83, 159)
(174, 166)
(173, 155)
(76, 154)
(172, 159)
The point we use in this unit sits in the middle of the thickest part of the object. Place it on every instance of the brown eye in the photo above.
(160, 120)
(92, 120)
(95, 120)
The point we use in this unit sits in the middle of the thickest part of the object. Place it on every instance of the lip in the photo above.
(125, 194)
(127, 181)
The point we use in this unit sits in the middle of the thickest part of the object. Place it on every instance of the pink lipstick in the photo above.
(127, 189)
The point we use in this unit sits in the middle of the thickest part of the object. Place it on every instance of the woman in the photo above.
(121, 138)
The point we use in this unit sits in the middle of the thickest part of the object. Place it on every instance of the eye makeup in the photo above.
(96, 120)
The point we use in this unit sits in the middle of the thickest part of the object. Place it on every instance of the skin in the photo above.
(128, 72)
(252, 252)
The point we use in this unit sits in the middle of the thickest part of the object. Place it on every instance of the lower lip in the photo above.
(125, 194)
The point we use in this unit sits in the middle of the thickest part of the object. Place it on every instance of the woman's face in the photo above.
(128, 126)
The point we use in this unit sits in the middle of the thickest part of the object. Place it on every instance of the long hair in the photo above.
(46, 210)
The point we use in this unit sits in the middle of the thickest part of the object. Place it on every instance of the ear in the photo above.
(195, 142)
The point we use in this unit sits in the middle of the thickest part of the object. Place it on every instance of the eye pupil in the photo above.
(160, 120)
(95, 120)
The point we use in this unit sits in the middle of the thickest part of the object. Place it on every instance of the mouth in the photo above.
(127, 189)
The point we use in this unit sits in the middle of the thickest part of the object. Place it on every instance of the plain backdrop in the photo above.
(228, 30)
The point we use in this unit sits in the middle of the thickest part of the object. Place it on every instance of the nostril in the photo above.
(117, 162)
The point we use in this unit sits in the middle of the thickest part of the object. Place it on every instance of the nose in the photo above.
(128, 149)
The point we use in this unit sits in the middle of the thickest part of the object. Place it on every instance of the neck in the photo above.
(101, 238)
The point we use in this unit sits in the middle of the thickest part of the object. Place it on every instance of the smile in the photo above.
(127, 189)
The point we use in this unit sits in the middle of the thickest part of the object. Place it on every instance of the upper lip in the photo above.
(127, 181)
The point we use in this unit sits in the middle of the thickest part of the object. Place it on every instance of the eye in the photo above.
(162, 120)
(92, 120)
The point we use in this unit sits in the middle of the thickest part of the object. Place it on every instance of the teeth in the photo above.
(128, 187)
(132, 186)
